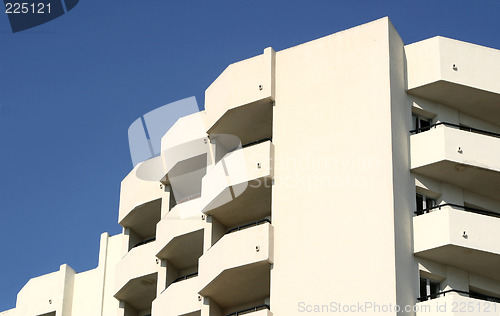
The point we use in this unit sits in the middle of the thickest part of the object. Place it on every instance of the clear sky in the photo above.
(70, 88)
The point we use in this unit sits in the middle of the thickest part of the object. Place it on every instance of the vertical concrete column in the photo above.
(270, 61)
(121, 309)
(172, 273)
(213, 231)
(66, 303)
(161, 284)
(101, 268)
(210, 308)
(165, 200)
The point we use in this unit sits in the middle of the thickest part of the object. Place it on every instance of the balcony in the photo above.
(185, 155)
(140, 198)
(453, 302)
(459, 236)
(464, 157)
(238, 188)
(236, 270)
(180, 234)
(136, 277)
(461, 75)
(240, 101)
(180, 298)
(180, 240)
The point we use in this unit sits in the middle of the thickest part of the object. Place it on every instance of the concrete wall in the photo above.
(342, 85)
(68, 293)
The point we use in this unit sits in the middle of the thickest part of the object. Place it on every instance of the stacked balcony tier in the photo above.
(461, 75)
(236, 270)
(237, 190)
(180, 298)
(180, 241)
(141, 198)
(469, 160)
(239, 102)
(136, 277)
(455, 236)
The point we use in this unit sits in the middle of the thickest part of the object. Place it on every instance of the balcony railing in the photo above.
(248, 225)
(144, 242)
(189, 198)
(469, 294)
(257, 142)
(460, 127)
(251, 309)
(185, 277)
(460, 207)
(251, 144)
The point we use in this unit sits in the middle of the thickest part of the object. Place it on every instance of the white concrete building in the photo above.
(350, 174)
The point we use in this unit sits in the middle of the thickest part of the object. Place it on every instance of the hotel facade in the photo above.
(350, 174)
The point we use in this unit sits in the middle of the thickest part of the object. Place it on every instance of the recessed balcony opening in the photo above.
(48, 314)
(248, 225)
(136, 240)
(237, 189)
(222, 144)
(481, 294)
(181, 296)
(250, 122)
(185, 178)
(140, 224)
(182, 254)
(219, 232)
(420, 123)
(137, 295)
(244, 289)
(253, 205)
(429, 289)
(130, 311)
(248, 308)
(424, 203)
(178, 274)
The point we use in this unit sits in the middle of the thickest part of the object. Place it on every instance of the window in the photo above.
(420, 124)
(424, 202)
(429, 289)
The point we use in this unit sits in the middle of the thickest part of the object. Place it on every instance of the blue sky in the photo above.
(70, 88)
